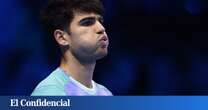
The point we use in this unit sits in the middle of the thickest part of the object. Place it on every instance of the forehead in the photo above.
(80, 16)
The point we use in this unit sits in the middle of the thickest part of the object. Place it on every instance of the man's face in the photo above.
(88, 39)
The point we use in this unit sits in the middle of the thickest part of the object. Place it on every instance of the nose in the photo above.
(100, 28)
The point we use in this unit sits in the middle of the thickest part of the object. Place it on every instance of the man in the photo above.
(77, 28)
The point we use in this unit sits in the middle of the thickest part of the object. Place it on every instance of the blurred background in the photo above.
(157, 47)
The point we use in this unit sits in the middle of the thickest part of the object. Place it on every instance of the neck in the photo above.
(82, 72)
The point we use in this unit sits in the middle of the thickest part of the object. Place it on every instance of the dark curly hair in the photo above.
(58, 14)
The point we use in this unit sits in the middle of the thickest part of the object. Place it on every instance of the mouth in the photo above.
(104, 41)
(104, 38)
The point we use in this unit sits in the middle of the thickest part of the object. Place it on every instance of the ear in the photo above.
(61, 37)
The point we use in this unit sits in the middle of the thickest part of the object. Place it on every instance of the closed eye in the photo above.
(87, 21)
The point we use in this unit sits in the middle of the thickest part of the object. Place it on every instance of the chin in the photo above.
(101, 54)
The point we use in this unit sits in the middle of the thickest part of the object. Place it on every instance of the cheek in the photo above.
(84, 38)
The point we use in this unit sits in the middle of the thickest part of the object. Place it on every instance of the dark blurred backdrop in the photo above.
(157, 47)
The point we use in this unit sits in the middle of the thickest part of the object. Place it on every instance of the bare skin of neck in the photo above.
(82, 72)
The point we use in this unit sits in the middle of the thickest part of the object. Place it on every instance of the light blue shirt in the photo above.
(60, 84)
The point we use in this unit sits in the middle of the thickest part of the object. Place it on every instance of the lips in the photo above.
(104, 38)
(104, 41)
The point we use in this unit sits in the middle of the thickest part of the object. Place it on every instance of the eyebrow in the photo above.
(91, 18)
(87, 18)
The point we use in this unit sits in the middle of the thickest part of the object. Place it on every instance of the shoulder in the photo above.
(48, 90)
(51, 85)
(104, 90)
